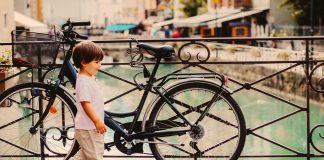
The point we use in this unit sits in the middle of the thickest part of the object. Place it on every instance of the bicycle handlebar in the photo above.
(73, 24)
(87, 23)
(72, 35)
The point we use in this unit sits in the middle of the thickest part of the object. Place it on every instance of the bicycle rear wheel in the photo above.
(21, 107)
(221, 133)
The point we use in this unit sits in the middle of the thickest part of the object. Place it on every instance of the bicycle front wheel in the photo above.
(21, 107)
(219, 135)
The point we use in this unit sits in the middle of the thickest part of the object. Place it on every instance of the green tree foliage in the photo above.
(301, 10)
(193, 7)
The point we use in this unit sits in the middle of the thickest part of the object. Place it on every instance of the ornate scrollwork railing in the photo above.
(195, 52)
(320, 135)
(319, 84)
(63, 137)
(188, 49)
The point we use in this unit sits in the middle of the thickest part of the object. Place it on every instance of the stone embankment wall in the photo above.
(286, 82)
(292, 81)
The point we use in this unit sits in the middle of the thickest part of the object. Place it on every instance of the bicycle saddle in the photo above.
(164, 51)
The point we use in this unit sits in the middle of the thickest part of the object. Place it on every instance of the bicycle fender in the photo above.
(175, 84)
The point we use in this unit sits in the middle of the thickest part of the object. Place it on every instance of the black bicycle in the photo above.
(192, 118)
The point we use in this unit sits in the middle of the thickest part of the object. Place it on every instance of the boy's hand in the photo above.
(100, 126)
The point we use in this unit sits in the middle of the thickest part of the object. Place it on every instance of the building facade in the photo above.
(133, 11)
(7, 23)
(99, 12)
(58, 11)
(30, 8)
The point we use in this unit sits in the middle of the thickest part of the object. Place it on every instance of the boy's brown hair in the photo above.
(86, 51)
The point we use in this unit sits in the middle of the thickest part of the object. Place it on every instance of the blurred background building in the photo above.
(7, 23)
(158, 18)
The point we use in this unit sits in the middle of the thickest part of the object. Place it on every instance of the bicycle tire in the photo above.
(21, 108)
(207, 144)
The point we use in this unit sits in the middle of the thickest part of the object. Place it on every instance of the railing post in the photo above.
(307, 64)
(307, 68)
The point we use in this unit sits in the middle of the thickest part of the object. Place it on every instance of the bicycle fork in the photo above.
(52, 94)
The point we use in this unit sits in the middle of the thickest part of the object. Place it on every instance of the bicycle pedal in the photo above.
(107, 147)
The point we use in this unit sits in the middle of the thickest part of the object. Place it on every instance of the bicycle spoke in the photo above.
(17, 120)
(215, 98)
(12, 100)
(198, 110)
(190, 109)
(178, 148)
(166, 124)
(17, 146)
(221, 143)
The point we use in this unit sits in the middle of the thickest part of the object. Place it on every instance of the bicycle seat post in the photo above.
(147, 89)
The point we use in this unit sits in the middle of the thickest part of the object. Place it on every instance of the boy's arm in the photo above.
(100, 126)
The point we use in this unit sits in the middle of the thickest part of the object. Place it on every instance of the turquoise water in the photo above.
(258, 109)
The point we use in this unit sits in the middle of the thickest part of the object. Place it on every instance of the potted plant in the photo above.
(5, 59)
(5, 71)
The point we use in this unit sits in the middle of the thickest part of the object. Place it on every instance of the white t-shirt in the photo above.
(88, 89)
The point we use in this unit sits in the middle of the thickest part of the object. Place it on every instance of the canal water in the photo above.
(258, 109)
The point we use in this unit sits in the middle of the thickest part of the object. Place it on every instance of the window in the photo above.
(240, 31)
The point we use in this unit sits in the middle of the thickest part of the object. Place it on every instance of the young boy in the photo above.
(89, 120)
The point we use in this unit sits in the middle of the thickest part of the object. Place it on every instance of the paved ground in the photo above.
(115, 155)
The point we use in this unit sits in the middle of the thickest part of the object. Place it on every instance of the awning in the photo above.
(242, 14)
(120, 27)
(30, 23)
(196, 20)
(163, 23)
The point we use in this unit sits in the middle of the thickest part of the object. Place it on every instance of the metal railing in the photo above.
(203, 54)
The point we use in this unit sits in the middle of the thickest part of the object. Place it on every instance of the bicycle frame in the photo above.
(146, 134)
(70, 72)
